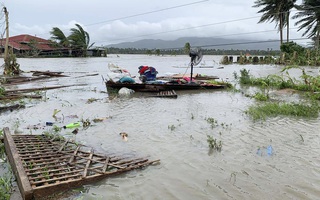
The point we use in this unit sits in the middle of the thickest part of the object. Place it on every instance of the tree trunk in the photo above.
(6, 51)
(317, 40)
(281, 29)
(288, 20)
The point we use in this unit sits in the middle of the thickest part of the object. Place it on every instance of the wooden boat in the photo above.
(156, 87)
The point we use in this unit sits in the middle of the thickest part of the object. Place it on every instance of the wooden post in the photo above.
(6, 51)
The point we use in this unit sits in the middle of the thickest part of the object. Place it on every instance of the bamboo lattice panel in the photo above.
(45, 165)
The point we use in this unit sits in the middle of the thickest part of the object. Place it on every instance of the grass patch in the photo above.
(261, 97)
(271, 109)
(213, 122)
(215, 82)
(5, 186)
(282, 81)
(91, 100)
(171, 127)
(2, 91)
(213, 143)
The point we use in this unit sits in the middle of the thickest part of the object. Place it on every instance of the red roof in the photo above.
(20, 42)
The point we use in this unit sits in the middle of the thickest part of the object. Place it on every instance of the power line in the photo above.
(150, 12)
(244, 43)
(200, 26)
(188, 28)
(145, 13)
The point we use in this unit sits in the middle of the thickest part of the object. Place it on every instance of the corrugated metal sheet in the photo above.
(20, 42)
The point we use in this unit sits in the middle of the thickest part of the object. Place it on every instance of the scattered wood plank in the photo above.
(41, 88)
(48, 73)
(11, 108)
(21, 79)
(19, 96)
(87, 75)
(19, 93)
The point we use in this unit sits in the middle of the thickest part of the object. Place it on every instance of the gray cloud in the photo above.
(215, 18)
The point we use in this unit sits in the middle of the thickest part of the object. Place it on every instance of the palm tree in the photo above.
(309, 12)
(59, 36)
(276, 11)
(80, 40)
(288, 5)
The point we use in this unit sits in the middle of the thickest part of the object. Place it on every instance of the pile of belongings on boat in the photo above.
(147, 74)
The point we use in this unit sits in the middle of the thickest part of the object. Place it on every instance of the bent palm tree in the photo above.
(80, 40)
(309, 12)
(59, 36)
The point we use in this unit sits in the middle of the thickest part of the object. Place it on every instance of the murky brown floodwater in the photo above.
(187, 169)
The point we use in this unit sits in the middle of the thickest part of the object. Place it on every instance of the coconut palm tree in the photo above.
(80, 40)
(271, 13)
(276, 11)
(59, 36)
(309, 15)
(287, 6)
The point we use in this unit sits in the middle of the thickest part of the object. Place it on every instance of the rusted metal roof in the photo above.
(22, 42)
(45, 165)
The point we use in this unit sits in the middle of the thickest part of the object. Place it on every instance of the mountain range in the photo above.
(203, 42)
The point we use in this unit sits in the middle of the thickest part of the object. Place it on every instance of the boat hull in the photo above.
(145, 87)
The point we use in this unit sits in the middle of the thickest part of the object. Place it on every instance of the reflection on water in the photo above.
(175, 131)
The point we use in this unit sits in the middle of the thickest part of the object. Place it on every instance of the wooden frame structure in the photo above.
(166, 94)
(44, 165)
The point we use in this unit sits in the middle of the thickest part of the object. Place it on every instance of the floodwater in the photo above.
(175, 131)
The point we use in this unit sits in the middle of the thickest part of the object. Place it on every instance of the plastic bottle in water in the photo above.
(49, 123)
(269, 150)
(72, 125)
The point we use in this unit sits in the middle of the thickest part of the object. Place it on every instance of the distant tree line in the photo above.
(182, 51)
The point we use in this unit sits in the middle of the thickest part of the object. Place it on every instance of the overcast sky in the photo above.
(109, 22)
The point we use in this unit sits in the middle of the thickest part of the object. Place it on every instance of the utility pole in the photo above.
(11, 67)
(6, 50)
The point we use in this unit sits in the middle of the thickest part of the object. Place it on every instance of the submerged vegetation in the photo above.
(272, 109)
(213, 143)
(5, 186)
(307, 84)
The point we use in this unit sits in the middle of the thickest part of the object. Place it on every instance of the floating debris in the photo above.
(124, 136)
(75, 131)
(99, 119)
(11, 108)
(55, 111)
(72, 125)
